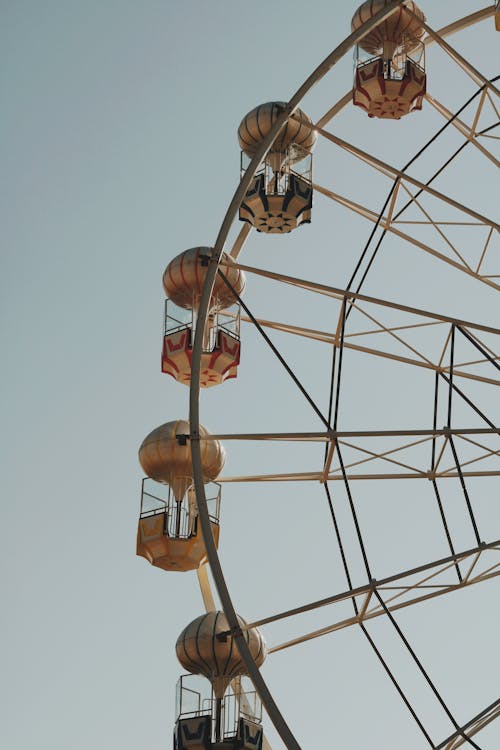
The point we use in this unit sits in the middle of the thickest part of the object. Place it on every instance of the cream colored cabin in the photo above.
(169, 533)
(230, 719)
(164, 548)
(389, 79)
(183, 283)
(279, 198)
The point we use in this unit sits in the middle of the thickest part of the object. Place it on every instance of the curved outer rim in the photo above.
(329, 62)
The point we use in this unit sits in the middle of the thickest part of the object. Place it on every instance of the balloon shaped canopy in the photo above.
(393, 30)
(184, 276)
(200, 651)
(165, 460)
(256, 125)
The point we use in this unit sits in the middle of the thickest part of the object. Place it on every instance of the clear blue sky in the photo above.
(119, 151)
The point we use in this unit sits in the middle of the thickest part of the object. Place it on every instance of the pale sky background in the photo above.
(119, 151)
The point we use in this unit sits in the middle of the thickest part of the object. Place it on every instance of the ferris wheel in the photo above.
(374, 413)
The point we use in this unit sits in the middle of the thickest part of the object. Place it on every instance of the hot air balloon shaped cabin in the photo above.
(183, 283)
(227, 715)
(169, 535)
(280, 196)
(389, 78)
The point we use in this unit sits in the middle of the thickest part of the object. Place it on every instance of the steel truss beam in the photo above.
(332, 435)
(389, 170)
(360, 303)
(329, 338)
(466, 66)
(469, 132)
(485, 717)
(388, 224)
(396, 583)
(348, 295)
(318, 476)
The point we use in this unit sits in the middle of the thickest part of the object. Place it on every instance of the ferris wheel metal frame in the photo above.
(374, 591)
